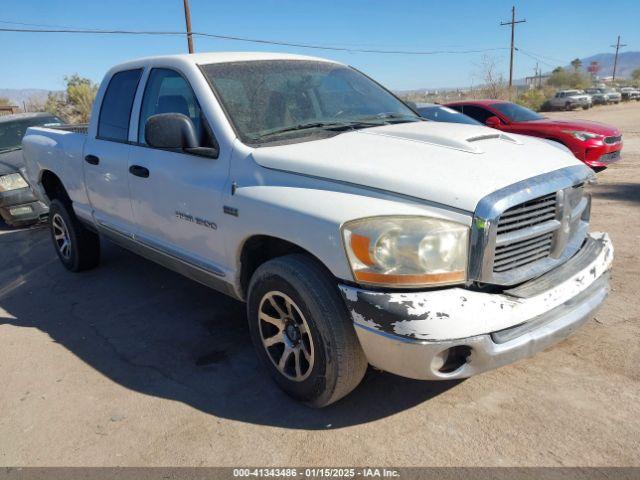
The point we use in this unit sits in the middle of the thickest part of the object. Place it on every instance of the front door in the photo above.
(177, 206)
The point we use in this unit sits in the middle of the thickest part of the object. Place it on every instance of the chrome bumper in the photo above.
(421, 334)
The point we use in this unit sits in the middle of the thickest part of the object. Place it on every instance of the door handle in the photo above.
(139, 171)
(92, 159)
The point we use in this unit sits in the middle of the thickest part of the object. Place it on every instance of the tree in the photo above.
(4, 101)
(636, 75)
(494, 85)
(35, 104)
(560, 78)
(576, 63)
(76, 102)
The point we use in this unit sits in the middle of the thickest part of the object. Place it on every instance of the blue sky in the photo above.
(559, 30)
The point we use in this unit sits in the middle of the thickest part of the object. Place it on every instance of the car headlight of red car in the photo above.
(583, 136)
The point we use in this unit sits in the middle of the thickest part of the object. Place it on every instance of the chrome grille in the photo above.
(611, 140)
(519, 241)
(521, 253)
(528, 214)
(526, 229)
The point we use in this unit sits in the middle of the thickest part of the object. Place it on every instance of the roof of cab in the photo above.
(224, 57)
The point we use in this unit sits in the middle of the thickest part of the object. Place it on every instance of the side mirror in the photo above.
(493, 122)
(175, 131)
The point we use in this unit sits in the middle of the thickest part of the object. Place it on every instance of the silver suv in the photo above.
(570, 99)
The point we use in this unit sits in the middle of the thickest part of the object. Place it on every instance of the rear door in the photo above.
(177, 203)
(106, 155)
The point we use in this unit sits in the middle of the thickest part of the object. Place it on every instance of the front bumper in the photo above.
(457, 333)
(22, 207)
(596, 153)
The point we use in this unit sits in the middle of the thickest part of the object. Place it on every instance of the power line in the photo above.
(535, 57)
(543, 58)
(240, 39)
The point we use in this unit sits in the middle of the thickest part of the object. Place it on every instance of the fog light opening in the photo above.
(452, 358)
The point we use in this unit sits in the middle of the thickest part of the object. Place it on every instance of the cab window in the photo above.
(168, 92)
(115, 111)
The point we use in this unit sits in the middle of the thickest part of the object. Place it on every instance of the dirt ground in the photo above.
(131, 364)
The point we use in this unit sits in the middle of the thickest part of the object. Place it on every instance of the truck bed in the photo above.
(81, 128)
(57, 149)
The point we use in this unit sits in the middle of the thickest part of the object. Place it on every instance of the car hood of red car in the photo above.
(582, 125)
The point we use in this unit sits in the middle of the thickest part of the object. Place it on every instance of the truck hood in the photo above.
(10, 161)
(585, 125)
(446, 163)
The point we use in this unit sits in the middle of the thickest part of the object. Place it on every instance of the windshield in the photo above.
(516, 113)
(445, 114)
(11, 132)
(272, 100)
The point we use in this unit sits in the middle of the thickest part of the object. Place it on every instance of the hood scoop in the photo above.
(444, 138)
(429, 139)
(493, 136)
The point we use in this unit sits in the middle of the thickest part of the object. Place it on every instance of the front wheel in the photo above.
(302, 332)
(77, 247)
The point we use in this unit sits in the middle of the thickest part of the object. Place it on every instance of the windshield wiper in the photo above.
(391, 117)
(335, 126)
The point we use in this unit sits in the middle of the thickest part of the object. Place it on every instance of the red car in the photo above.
(596, 144)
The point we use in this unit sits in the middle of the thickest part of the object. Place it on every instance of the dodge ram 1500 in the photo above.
(356, 231)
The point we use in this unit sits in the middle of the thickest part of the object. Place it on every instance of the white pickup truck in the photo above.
(356, 232)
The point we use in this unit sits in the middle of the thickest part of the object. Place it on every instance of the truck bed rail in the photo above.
(76, 128)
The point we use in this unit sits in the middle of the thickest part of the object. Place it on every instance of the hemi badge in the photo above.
(230, 211)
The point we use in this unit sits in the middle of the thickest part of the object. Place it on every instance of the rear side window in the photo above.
(477, 113)
(115, 111)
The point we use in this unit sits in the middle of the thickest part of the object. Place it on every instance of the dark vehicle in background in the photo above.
(596, 144)
(440, 113)
(598, 96)
(19, 205)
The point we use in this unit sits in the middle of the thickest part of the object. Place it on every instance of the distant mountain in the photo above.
(627, 63)
(19, 95)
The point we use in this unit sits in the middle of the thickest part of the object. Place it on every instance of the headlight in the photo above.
(13, 181)
(583, 136)
(406, 251)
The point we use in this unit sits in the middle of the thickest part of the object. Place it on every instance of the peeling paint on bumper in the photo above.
(405, 333)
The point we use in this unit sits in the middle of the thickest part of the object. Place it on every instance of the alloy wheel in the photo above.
(286, 336)
(61, 236)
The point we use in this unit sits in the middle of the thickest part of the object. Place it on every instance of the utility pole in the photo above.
(187, 18)
(513, 36)
(615, 61)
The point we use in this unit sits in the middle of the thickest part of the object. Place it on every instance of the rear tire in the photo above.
(78, 248)
(302, 331)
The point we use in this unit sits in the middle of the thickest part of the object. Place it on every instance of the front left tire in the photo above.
(302, 332)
